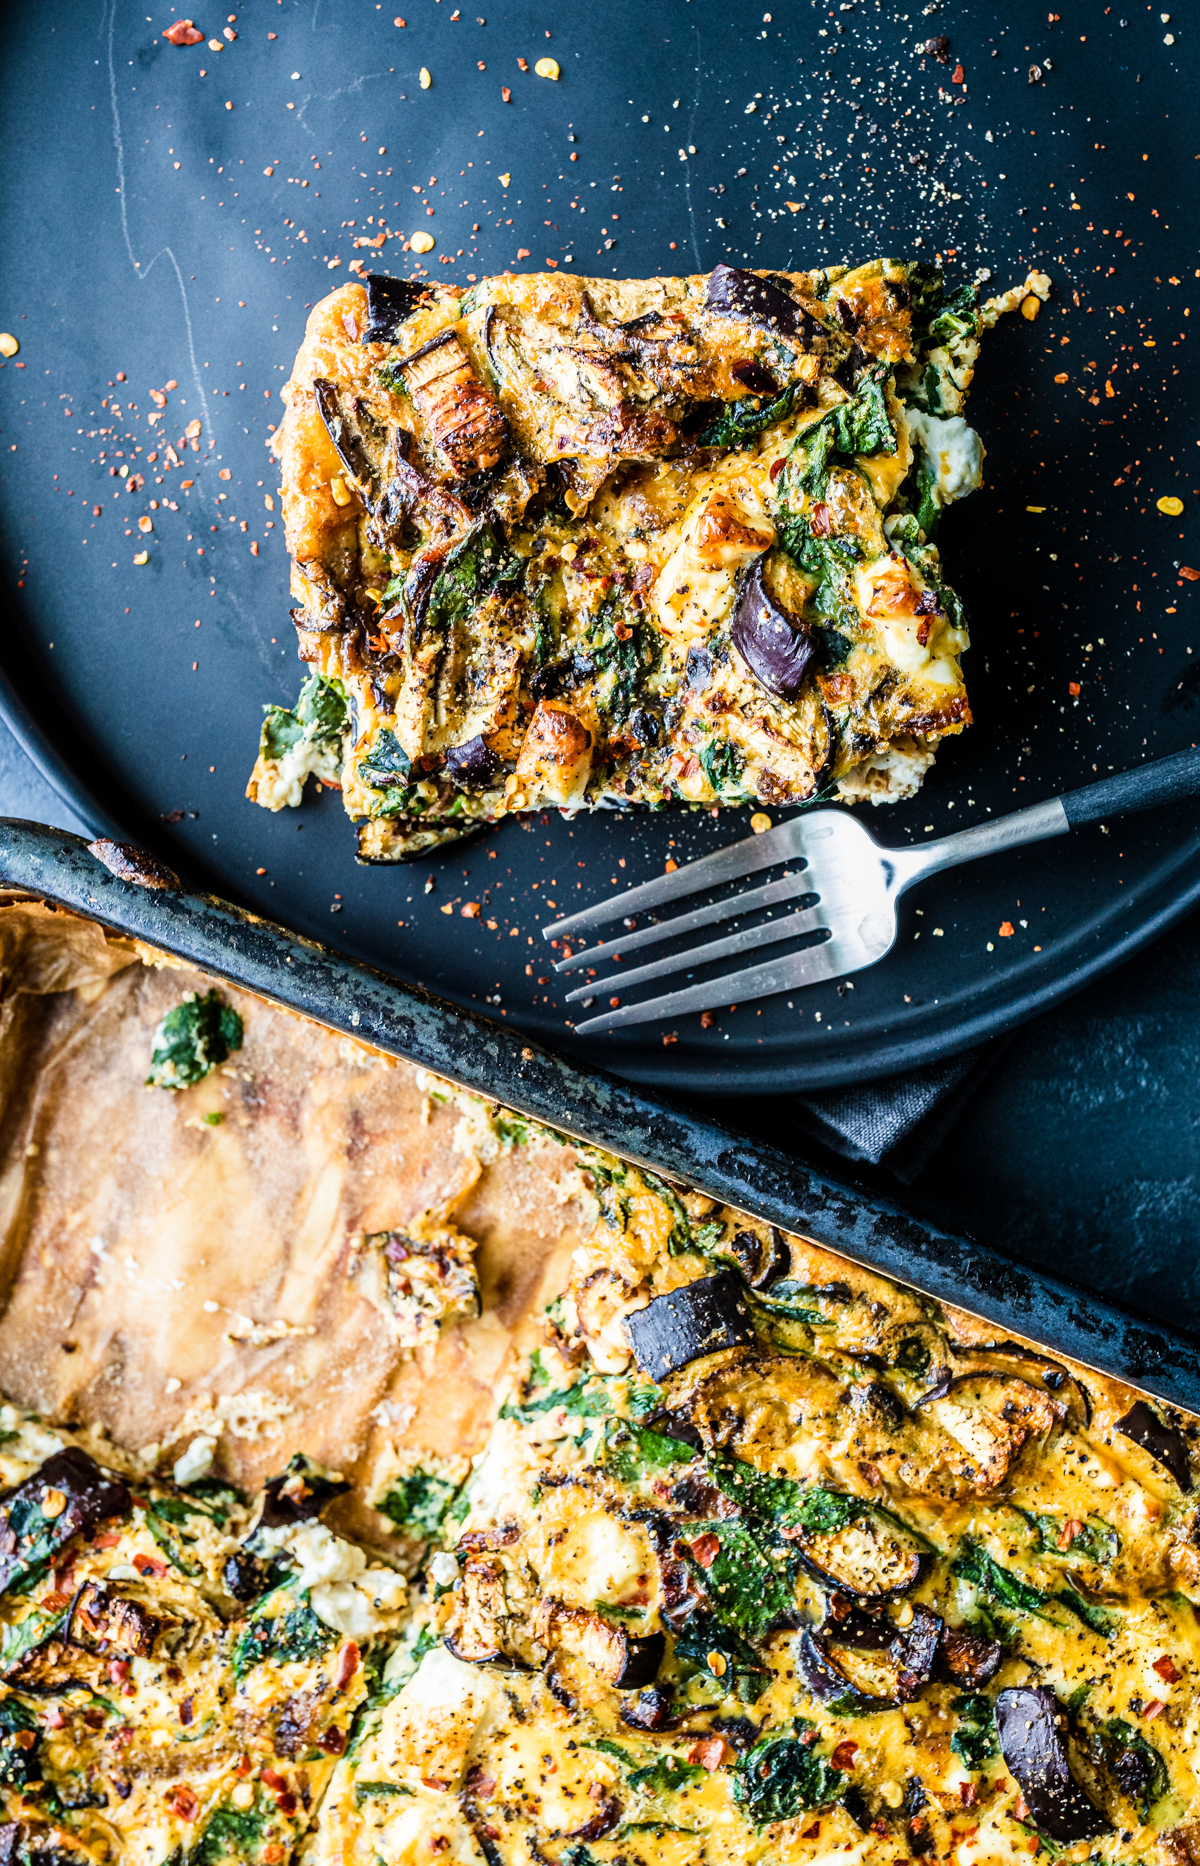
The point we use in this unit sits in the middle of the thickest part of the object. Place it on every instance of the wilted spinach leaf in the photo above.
(738, 422)
(192, 1039)
(782, 1777)
(418, 1503)
(974, 1740)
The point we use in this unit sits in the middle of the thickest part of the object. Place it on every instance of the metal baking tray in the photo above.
(146, 901)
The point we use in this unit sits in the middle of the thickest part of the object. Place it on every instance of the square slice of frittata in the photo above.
(593, 543)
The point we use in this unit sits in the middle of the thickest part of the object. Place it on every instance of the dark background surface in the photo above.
(1079, 1149)
(170, 236)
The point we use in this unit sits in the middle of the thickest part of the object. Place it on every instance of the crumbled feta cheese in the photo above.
(196, 1461)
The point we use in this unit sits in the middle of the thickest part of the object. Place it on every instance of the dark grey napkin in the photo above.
(899, 1121)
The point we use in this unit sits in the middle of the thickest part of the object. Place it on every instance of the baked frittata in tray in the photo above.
(515, 1505)
(587, 543)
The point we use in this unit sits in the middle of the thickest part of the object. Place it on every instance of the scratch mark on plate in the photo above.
(141, 272)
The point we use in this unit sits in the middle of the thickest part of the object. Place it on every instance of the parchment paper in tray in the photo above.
(165, 1278)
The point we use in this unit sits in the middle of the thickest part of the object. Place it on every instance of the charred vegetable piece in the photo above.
(781, 1777)
(1164, 1444)
(869, 1557)
(464, 416)
(103, 1621)
(739, 422)
(763, 1260)
(1136, 1765)
(615, 1655)
(650, 1710)
(389, 302)
(776, 646)
(733, 292)
(701, 1318)
(969, 1658)
(70, 1495)
(473, 765)
(1032, 1728)
(298, 1494)
(192, 1039)
(344, 423)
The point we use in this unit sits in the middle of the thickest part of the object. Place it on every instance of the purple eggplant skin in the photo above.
(298, 1494)
(912, 1649)
(389, 302)
(473, 765)
(1165, 1445)
(914, 1652)
(776, 646)
(1032, 1728)
(92, 1495)
(679, 1327)
(754, 376)
(643, 1657)
(733, 292)
(763, 1260)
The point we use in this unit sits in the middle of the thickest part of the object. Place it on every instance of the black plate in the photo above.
(119, 261)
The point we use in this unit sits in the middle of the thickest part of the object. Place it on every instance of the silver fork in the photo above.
(844, 885)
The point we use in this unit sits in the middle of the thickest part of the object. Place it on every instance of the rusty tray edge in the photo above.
(483, 1055)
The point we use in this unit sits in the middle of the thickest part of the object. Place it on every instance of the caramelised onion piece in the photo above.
(776, 646)
(700, 1318)
(1165, 1445)
(473, 765)
(1032, 1729)
(733, 292)
(389, 302)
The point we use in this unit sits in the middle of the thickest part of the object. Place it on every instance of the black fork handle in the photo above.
(1164, 780)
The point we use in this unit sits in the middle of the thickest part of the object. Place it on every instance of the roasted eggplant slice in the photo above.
(70, 1495)
(733, 292)
(357, 438)
(650, 1710)
(680, 1327)
(970, 1659)
(1165, 1445)
(830, 1686)
(869, 1558)
(1032, 1726)
(389, 303)
(777, 647)
(103, 1621)
(621, 1660)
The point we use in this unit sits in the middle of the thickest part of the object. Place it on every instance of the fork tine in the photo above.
(755, 981)
(727, 909)
(734, 863)
(745, 941)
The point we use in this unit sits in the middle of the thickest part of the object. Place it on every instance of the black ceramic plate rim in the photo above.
(495, 1061)
(1170, 897)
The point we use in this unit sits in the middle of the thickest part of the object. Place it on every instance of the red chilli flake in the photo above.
(843, 1756)
(183, 32)
(183, 1803)
(1167, 1669)
(705, 1549)
(348, 1663)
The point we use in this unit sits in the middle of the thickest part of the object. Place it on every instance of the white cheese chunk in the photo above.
(954, 450)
